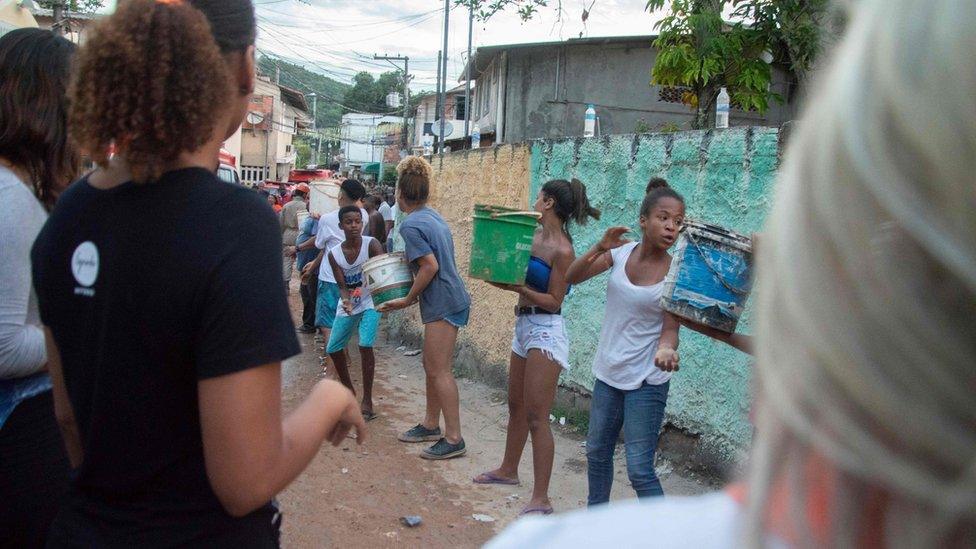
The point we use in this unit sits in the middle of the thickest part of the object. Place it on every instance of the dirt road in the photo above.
(353, 496)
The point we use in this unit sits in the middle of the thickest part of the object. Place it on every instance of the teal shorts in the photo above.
(326, 304)
(369, 323)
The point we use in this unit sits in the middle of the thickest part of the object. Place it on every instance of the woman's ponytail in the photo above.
(571, 202)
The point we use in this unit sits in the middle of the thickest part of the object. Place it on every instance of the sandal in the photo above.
(489, 477)
(546, 510)
(370, 416)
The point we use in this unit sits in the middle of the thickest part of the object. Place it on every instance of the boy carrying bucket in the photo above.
(356, 304)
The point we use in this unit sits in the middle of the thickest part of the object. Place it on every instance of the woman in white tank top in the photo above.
(638, 345)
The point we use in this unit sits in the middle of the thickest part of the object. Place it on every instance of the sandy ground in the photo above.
(354, 496)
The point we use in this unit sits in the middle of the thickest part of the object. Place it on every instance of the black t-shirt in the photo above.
(148, 289)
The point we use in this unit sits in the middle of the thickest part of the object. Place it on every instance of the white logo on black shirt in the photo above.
(84, 265)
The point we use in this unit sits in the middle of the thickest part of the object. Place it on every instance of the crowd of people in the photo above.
(140, 370)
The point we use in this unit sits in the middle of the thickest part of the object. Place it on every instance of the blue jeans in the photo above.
(640, 412)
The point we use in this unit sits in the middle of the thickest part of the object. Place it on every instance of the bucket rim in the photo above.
(721, 234)
(393, 255)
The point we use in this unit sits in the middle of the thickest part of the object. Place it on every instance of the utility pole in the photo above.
(315, 125)
(467, 72)
(406, 94)
(447, 20)
(437, 94)
(57, 12)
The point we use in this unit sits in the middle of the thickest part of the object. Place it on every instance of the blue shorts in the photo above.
(458, 319)
(369, 323)
(326, 304)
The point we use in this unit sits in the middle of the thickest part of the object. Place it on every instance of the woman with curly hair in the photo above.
(444, 307)
(166, 365)
(37, 160)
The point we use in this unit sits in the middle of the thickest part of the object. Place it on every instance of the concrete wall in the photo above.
(547, 90)
(726, 177)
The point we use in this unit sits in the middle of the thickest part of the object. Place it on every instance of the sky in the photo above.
(339, 37)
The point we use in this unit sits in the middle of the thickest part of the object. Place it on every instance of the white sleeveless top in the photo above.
(353, 274)
(632, 324)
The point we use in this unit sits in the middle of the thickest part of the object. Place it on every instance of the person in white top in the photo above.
(356, 305)
(329, 235)
(638, 345)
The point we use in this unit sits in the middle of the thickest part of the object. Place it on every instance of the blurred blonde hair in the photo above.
(866, 350)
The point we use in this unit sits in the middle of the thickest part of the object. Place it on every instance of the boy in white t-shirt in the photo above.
(355, 305)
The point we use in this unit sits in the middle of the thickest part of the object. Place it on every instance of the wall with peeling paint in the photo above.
(726, 177)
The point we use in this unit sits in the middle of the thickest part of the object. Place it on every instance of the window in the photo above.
(460, 107)
(287, 149)
(252, 174)
(487, 87)
(428, 128)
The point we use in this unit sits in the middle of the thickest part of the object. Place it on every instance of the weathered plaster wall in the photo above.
(726, 177)
(499, 176)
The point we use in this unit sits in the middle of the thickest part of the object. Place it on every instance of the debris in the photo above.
(552, 418)
(401, 348)
(401, 376)
(345, 471)
(499, 403)
(513, 497)
(411, 521)
(583, 444)
(391, 535)
(562, 421)
(483, 518)
(414, 352)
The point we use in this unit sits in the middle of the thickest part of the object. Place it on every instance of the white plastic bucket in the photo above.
(388, 277)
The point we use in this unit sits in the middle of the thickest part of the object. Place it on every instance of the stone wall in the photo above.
(726, 177)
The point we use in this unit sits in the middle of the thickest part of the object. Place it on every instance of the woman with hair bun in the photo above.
(153, 279)
(638, 345)
(540, 346)
(444, 307)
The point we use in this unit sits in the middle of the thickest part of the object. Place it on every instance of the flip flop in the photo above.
(489, 477)
(547, 510)
(370, 416)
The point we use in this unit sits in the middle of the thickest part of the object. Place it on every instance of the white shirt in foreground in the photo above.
(710, 521)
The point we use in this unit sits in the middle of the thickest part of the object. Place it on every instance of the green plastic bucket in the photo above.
(501, 244)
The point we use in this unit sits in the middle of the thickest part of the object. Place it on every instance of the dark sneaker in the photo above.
(420, 434)
(444, 450)
(306, 329)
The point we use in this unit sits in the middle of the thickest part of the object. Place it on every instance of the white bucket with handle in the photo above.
(388, 277)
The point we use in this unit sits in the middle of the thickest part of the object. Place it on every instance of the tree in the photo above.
(329, 92)
(485, 9)
(699, 50)
(86, 6)
(368, 94)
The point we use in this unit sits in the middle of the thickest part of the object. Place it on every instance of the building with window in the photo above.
(533, 91)
(15, 14)
(365, 138)
(454, 112)
(276, 114)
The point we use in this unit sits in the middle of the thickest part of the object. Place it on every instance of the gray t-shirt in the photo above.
(424, 232)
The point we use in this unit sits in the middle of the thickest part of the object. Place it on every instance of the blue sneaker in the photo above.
(444, 450)
(420, 434)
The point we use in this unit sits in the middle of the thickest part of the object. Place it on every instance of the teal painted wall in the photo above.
(726, 177)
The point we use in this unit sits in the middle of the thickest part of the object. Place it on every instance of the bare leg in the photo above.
(541, 378)
(369, 368)
(342, 369)
(439, 340)
(518, 426)
(432, 419)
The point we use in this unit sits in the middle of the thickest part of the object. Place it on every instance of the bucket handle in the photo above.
(496, 215)
(731, 288)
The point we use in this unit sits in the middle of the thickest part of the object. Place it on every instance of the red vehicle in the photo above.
(307, 176)
(227, 171)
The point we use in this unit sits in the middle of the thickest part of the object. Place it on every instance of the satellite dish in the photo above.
(254, 118)
(448, 128)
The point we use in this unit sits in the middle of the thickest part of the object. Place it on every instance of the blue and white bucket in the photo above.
(710, 276)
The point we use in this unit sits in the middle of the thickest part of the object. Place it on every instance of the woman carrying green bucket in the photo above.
(444, 307)
(540, 347)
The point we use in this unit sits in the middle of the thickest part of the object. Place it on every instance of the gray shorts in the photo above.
(546, 333)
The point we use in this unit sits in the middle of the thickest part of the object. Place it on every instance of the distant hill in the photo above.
(329, 91)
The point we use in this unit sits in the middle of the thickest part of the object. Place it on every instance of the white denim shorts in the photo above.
(546, 333)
